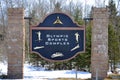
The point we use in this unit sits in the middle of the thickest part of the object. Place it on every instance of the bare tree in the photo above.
(100, 3)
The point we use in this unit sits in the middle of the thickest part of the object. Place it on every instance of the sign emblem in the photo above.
(57, 21)
(57, 38)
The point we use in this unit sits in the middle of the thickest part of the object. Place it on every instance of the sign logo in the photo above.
(58, 38)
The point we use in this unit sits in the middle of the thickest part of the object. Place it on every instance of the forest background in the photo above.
(78, 11)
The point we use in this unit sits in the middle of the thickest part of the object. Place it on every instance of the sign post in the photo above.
(58, 38)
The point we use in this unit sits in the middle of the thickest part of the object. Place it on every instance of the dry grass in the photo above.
(113, 77)
(71, 79)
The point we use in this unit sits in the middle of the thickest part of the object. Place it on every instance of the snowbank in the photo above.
(31, 72)
(3, 68)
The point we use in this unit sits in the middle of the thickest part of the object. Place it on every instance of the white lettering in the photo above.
(57, 39)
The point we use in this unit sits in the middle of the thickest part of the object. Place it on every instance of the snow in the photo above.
(32, 72)
(3, 68)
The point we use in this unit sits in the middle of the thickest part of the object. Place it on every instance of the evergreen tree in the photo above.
(83, 60)
(112, 10)
(113, 49)
(113, 35)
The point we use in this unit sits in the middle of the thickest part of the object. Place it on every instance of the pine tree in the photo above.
(113, 37)
(113, 49)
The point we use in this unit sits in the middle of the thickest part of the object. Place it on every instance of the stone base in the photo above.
(15, 76)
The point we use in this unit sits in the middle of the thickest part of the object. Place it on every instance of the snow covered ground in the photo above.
(31, 72)
(3, 68)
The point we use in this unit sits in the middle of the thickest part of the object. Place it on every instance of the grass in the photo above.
(110, 77)
(113, 77)
(71, 79)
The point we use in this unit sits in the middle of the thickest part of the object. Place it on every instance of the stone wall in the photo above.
(15, 42)
(99, 57)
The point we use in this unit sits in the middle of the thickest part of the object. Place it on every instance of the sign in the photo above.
(58, 38)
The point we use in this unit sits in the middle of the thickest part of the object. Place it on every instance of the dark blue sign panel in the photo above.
(55, 42)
